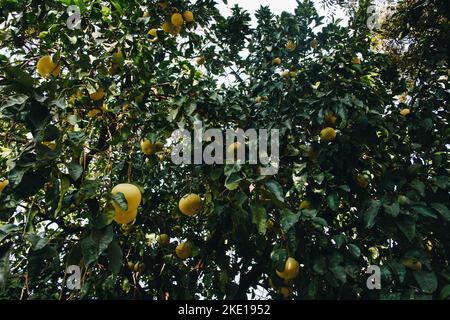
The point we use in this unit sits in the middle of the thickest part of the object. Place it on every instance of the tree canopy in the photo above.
(364, 167)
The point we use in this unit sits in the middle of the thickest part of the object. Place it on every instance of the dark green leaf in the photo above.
(427, 281)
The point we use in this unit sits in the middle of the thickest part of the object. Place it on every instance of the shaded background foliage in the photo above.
(56, 210)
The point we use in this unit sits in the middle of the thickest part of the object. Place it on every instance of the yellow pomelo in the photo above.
(190, 204)
(188, 16)
(177, 20)
(163, 240)
(183, 250)
(167, 27)
(276, 61)
(46, 66)
(330, 119)
(200, 60)
(328, 134)
(125, 217)
(132, 195)
(305, 204)
(97, 95)
(3, 185)
(405, 112)
(290, 45)
(291, 269)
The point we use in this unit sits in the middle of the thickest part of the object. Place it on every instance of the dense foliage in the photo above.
(376, 194)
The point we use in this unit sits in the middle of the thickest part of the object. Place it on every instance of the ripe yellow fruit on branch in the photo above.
(285, 74)
(188, 16)
(97, 95)
(170, 28)
(153, 32)
(362, 181)
(167, 27)
(163, 240)
(356, 60)
(290, 46)
(405, 112)
(94, 113)
(291, 269)
(200, 60)
(314, 44)
(328, 134)
(133, 196)
(117, 57)
(125, 217)
(46, 66)
(149, 148)
(177, 19)
(305, 204)
(190, 204)
(49, 144)
(330, 119)
(3, 185)
(183, 250)
(276, 61)
(285, 292)
(412, 264)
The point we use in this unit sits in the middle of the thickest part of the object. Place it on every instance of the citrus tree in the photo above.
(88, 104)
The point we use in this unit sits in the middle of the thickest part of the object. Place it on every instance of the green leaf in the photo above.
(354, 250)
(276, 190)
(320, 221)
(345, 188)
(393, 210)
(4, 264)
(371, 213)
(399, 270)
(408, 226)
(442, 209)
(117, 6)
(339, 239)
(37, 243)
(103, 219)
(229, 169)
(115, 257)
(333, 201)
(424, 211)
(6, 230)
(339, 273)
(75, 170)
(445, 292)
(427, 281)
(288, 219)
(320, 265)
(96, 243)
(20, 78)
(19, 99)
(279, 257)
(232, 181)
(31, 183)
(259, 217)
(64, 186)
(121, 201)
(419, 186)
